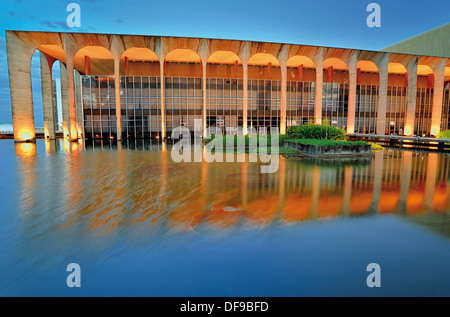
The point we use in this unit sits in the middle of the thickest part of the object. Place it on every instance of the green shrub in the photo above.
(316, 131)
(444, 134)
(326, 142)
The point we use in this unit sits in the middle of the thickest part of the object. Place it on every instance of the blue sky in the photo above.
(340, 23)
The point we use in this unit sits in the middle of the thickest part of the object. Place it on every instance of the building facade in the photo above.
(130, 86)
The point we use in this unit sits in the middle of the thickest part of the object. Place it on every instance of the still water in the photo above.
(140, 224)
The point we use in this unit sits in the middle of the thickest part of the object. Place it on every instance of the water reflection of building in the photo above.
(147, 191)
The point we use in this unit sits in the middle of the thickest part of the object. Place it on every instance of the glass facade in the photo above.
(263, 104)
(141, 109)
(395, 110)
(224, 103)
(366, 108)
(424, 105)
(140, 103)
(335, 104)
(300, 102)
(183, 102)
(99, 107)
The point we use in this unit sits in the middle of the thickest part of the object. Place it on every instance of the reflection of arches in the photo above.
(296, 208)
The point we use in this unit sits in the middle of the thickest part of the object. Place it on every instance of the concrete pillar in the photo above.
(117, 95)
(162, 96)
(438, 88)
(318, 61)
(73, 132)
(244, 56)
(19, 61)
(411, 97)
(47, 96)
(245, 97)
(204, 64)
(382, 93)
(282, 58)
(80, 118)
(353, 77)
(65, 101)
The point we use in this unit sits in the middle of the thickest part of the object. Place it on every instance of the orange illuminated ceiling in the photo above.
(182, 55)
(336, 63)
(263, 59)
(224, 57)
(367, 66)
(140, 54)
(424, 70)
(396, 68)
(295, 61)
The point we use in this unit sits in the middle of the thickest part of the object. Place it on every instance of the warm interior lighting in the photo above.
(434, 131)
(408, 131)
(25, 135)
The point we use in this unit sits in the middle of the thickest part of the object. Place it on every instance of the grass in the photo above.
(325, 142)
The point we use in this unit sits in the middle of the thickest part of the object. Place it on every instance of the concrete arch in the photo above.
(335, 62)
(224, 57)
(101, 60)
(296, 66)
(146, 60)
(260, 59)
(368, 67)
(224, 64)
(183, 55)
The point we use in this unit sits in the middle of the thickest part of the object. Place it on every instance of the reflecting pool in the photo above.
(139, 224)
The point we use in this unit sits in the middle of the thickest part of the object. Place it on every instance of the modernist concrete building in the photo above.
(159, 83)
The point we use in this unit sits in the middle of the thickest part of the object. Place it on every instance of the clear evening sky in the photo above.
(316, 22)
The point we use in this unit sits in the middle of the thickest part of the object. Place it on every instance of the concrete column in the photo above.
(19, 61)
(353, 76)
(244, 56)
(162, 96)
(411, 97)
(117, 95)
(318, 61)
(204, 63)
(47, 96)
(382, 94)
(65, 101)
(78, 103)
(438, 88)
(72, 105)
(282, 58)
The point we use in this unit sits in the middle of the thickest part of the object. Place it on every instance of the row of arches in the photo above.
(262, 62)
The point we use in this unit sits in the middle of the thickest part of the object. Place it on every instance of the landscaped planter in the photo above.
(341, 150)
